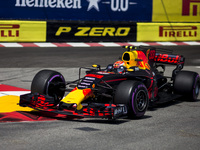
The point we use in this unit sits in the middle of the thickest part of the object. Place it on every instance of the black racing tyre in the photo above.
(50, 83)
(135, 95)
(186, 83)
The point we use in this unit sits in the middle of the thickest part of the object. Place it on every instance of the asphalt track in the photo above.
(75, 57)
(173, 125)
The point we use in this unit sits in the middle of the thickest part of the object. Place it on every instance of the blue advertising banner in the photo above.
(83, 10)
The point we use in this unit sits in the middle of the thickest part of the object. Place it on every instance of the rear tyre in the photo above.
(187, 83)
(48, 82)
(135, 95)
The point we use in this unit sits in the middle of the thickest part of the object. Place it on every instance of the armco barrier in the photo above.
(22, 31)
(68, 31)
(90, 31)
(83, 10)
(168, 31)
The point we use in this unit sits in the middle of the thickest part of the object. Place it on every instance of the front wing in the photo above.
(46, 103)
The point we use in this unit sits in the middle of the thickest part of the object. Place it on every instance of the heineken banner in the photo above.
(77, 10)
(102, 10)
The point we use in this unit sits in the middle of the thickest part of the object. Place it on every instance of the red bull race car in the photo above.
(125, 88)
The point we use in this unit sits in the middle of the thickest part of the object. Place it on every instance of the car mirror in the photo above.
(130, 70)
(96, 66)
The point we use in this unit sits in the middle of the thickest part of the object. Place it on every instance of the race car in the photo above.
(125, 88)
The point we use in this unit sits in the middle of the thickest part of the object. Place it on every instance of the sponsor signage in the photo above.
(24, 31)
(85, 10)
(177, 31)
(190, 7)
(9, 30)
(168, 32)
(176, 11)
(91, 31)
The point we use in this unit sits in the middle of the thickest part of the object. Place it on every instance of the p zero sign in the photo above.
(91, 31)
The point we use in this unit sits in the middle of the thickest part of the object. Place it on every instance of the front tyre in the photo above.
(49, 82)
(135, 95)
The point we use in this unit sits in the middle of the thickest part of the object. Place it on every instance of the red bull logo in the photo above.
(190, 4)
(178, 31)
(144, 63)
(9, 30)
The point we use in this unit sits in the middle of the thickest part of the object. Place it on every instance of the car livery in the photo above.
(125, 88)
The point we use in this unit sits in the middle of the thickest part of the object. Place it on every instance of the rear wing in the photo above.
(169, 59)
(158, 55)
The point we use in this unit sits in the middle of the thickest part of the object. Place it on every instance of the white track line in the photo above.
(138, 43)
(109, 44)
(78, 44)
(11, 45)
(16, 93)
(192, 43)
(166, 43)
(45, 44)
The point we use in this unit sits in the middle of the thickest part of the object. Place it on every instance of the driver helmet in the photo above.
(119, 66)
(118, 63)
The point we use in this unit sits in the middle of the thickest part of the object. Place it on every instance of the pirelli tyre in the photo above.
(49, 82)
(187, 83)
(135, 95)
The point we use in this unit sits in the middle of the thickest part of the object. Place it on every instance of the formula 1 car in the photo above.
(125, 88)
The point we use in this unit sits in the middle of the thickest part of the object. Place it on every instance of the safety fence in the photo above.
(65, 31)
(99, 20)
